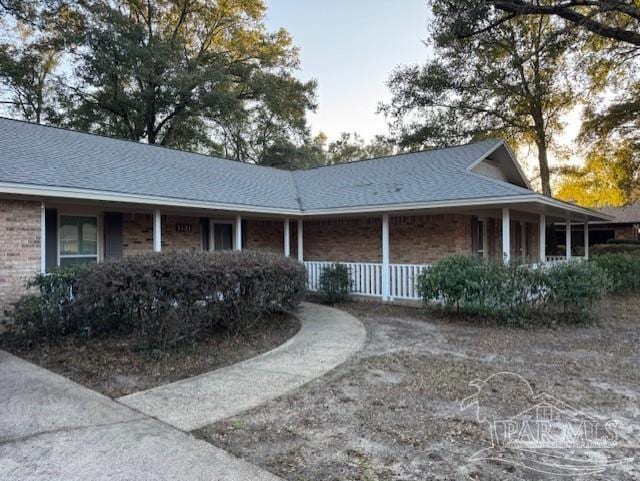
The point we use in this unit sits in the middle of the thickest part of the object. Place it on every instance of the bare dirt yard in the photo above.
(116, 365)
(407, 406)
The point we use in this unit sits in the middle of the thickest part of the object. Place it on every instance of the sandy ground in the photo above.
(393, 412)
(116, 366)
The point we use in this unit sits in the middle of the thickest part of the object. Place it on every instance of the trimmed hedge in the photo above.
(514, 292)
(623, 270)
(617, 248)
(174, 296)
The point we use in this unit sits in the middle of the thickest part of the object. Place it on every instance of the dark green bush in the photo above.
(573, 287)
(604, 249)
(174, 296)
(624, 241)
(335, 283)
(513, 292)
(475, 286)
(47, 313)
(623, 269)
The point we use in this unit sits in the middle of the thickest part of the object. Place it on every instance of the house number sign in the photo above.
(183, 227)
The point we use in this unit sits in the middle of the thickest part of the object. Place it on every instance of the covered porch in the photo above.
(385, 251)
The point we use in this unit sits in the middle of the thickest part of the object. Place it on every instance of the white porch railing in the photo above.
(553, 259)
(366, 278)
(403, 280)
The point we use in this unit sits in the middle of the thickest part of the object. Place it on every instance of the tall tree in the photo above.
(351, 146)
(193, 74)
(618, 20)
(604, 180)
(36, 36)
(607, 37)
(510, 80)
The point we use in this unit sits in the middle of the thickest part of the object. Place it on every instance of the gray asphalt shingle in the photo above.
(46, 156)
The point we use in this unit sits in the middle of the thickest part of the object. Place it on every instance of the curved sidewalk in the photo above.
(326, 339)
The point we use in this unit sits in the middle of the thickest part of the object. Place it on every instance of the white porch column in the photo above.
(237, 234)
(157, 231)
(506, 235)
(586, 239)
(386, 287)
(542, 239)
(287, 238)
(568, 240)
(43, 239)
(300, 243)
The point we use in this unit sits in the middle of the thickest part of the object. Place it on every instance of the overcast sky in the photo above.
(350, 47)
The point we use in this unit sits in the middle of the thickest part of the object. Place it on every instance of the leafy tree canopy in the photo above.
(510, 81)
(606, 179)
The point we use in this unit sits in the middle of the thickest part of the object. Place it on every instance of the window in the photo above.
(223, 236)
(78, 239)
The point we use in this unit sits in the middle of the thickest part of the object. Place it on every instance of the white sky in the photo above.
(351, 47)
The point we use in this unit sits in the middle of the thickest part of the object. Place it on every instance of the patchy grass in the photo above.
(393, 412)
(115, 366)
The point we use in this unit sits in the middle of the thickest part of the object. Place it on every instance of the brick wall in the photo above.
(172, 239)
(355, 240)
(265, 235)
(19, 248)
(428, 238)
(137, 233)
(625, 232)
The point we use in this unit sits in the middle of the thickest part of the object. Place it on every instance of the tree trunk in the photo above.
(543, 163)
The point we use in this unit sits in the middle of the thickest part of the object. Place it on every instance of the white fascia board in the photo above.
(87, 194)
(422, 205)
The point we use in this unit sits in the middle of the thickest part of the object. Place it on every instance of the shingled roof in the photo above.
(629, 214)
(53, 158)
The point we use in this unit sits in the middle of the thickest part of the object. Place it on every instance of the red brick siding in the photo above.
(185, 240)
(428, 238)
(19, 248)
(625, 232)
(343, 240)
(265, 235)
(137, 233)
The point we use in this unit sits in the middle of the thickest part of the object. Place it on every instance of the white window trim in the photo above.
(99, 255)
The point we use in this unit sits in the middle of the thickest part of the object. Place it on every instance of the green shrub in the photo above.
(574, 286)
(170, 297)
(513, 292)
(624, 241)
(474, 286)
(604, 249)
(623, 269)
(335, 283)
(46, 313)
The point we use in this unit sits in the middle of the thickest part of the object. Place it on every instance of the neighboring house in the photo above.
(624, 225)
(68, 197)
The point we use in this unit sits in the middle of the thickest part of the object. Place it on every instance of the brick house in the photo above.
(68, 197)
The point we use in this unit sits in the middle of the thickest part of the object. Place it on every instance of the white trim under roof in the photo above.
(86, 194)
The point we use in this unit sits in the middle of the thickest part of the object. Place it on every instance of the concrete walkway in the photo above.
(327, 338)
(52, 428)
